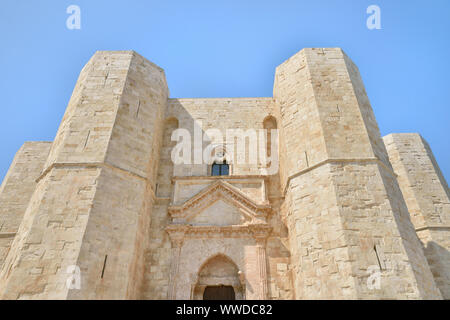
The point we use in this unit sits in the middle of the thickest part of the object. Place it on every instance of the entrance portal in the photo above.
(218, 279)
(219, 293)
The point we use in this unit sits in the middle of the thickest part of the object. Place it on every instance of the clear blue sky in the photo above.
(226, 49)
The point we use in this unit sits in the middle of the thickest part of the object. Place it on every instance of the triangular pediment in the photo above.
(219, 203)
(219, 213)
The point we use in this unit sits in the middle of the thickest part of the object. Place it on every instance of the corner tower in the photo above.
(344, 209)
(428, 199)
(92, 203)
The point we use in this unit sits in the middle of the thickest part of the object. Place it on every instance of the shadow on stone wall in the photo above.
(439, 260)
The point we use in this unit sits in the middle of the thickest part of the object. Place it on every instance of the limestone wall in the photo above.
(278, 255)
(17, 188)
(185, 188)
(50, 235)
(92, 204)
(428, 199)
(158, 255)
(221, 114)
(342, 198)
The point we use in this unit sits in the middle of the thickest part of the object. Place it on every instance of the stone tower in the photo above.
(103, 212)
(92, 199)
(427, 196)
(336, 177)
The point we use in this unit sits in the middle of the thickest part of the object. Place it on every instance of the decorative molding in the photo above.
(179, 232)
(176, 237)
(262, 265)
(219, 190)
(254, 229)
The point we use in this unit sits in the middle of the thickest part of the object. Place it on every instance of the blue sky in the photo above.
(226, 49)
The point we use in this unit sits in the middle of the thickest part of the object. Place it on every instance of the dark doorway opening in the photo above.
(219, 293)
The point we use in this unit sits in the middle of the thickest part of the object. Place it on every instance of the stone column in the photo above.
(177, 238)
(260, 234)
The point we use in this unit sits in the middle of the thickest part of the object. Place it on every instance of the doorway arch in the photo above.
(218, 279)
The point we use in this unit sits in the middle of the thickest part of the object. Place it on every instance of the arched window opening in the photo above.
(269, 124)
(220, 169)
(220, 164)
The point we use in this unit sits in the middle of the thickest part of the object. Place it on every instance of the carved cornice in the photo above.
(209, 195)
(183, 231)
(177, 234)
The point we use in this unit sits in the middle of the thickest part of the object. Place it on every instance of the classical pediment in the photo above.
(220, 213)
(219, 204)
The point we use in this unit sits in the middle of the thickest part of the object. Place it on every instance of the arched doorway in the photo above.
(218, 279)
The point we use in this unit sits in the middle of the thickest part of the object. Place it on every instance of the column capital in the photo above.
(176, 234)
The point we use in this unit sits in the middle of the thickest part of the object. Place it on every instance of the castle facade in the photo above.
(142, 196)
